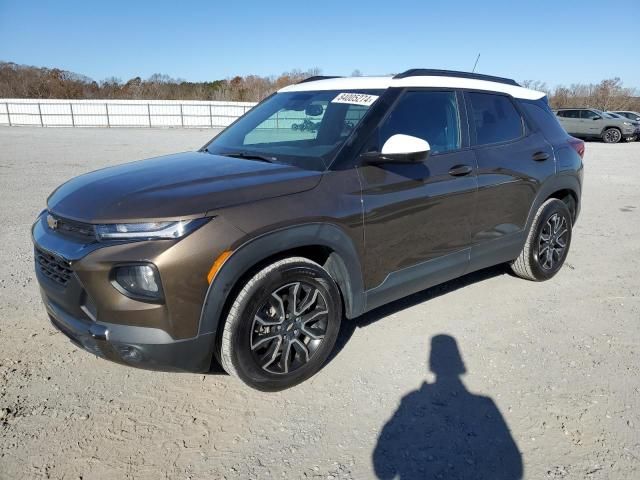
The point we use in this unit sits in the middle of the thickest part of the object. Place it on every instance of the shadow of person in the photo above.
(444, 431)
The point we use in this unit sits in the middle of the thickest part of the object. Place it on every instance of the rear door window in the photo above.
(571, 113)
(495, 118)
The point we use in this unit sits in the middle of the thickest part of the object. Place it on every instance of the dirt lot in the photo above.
(552, 382)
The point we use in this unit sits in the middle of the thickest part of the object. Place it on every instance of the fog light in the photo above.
(138, 282)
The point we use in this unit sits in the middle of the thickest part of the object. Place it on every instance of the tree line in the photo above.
(21, 81)
(609, 94)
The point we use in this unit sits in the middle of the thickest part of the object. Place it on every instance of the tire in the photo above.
(611, 135)
(552, 225)
(264, 323)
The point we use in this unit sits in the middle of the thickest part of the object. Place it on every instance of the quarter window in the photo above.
(430, 115)
(495, 118)
(546, 121)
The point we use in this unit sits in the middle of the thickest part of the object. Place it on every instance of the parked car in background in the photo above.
(630, 115)
(635, 123)
(593, 123)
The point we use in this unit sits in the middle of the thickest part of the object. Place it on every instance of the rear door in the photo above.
(513, 161)
(570, 120)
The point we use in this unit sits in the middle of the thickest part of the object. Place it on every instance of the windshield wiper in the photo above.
(249, 156)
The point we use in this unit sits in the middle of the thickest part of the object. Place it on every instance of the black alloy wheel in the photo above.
(552, 241)
(289, 327)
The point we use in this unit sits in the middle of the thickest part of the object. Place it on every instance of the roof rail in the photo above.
(318, 77)
(429, 72)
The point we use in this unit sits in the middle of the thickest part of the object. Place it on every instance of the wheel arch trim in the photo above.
(604, 129)
(549, 188)
(343, 265)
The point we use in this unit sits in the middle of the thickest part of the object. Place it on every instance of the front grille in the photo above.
(83, 231)
(53, 267)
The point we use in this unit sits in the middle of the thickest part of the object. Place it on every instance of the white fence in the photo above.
(120, 113)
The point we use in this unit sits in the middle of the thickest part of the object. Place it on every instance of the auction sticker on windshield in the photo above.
(355, 99)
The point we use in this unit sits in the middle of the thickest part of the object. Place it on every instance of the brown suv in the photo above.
(253, 249)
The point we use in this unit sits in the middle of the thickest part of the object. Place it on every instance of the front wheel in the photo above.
(611, 135)
(282, 325)
(547, 244)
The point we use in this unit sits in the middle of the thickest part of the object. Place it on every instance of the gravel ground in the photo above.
(551, 384)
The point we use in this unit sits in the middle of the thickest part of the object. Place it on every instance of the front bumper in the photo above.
(140, 347)
(76, 288)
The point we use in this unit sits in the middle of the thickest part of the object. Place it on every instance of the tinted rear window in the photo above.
(495, 118)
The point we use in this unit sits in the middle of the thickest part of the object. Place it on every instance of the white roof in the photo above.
(379, 83)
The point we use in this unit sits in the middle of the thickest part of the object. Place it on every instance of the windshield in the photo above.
(303, 129)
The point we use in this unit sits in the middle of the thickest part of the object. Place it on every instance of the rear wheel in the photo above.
(612, 135)
(282, 325)
(547, 244)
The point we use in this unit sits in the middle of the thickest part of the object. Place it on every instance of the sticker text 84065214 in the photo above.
(355, 98)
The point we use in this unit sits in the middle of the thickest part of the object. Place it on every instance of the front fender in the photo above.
(343, 265)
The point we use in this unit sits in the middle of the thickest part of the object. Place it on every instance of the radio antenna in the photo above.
(475, 64)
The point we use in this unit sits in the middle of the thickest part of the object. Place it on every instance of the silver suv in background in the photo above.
(593, 123)
(635, 116)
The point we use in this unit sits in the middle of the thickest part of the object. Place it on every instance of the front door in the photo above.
(590, 122)
(417, 216)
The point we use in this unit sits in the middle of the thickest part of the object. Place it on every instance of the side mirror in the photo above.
(400, 149)
(597, 117)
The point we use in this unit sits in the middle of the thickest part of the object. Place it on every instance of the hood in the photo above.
(174, 186)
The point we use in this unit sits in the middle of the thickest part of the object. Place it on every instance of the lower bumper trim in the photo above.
(190, 355)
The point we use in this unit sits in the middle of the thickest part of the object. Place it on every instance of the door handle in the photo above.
(540, 156)
(460, 170)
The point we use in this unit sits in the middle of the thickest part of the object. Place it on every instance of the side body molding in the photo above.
(343, 265)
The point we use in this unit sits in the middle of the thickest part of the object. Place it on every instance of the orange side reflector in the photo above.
(218, 264)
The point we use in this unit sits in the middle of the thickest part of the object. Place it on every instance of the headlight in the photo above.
(628, 124)
(141, 282)
(148, 231)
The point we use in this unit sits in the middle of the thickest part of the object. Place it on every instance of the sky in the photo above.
(558, 42)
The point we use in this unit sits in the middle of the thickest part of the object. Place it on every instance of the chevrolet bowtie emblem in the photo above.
(52, 222)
